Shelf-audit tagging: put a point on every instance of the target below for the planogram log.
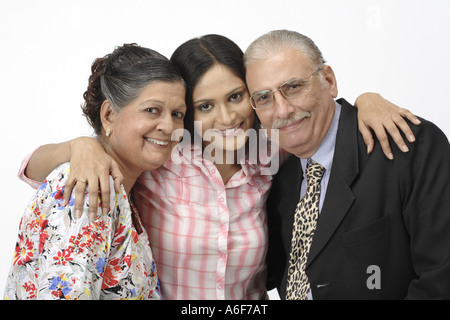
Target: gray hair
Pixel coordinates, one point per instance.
(120, 77)
(274, 41)
(129, 69)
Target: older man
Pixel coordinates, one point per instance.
(343, 224)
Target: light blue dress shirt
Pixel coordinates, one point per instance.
(324, 156)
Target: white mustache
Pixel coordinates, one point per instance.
(280, 123)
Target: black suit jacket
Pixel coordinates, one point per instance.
(384, 228)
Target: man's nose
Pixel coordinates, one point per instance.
(282, 106)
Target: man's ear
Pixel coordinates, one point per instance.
(107, 116)
(330, 79)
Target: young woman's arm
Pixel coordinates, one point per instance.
(380, 115)
(46, 158)
(90, 165)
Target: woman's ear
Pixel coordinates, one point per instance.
(107, 116)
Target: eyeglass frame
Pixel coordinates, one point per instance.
(280, 89)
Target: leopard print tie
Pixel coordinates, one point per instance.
(305, 220)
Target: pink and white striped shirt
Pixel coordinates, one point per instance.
(208, 239)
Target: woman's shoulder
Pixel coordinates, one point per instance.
(60, 173)
(52, 189)
(56, 180)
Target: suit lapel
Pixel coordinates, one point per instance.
(339, 196)
(289, 200)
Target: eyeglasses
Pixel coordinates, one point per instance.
(265, 99)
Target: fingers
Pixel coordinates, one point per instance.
(367, 136)
(116, 175)
(400, 123)
(105, 192)
(389, 120)
(395, 128)
(380, 132)
(410, 116)
(93, 199)
(397, 137)
(80, 188)
(399, 120)
(68, 190)
(90, 162)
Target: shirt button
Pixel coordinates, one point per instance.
(221, 199)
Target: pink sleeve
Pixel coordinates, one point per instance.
(21, 174)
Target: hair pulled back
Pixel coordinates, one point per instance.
(196, 56)
(277, 40)
(120, 76)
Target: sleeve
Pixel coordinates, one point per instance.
(34, 273)
(21, 174)
(427, 212)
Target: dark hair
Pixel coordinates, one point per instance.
(196, 56)
(120, 77)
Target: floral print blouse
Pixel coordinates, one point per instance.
(58, 256)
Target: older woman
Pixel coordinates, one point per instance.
(134, 101)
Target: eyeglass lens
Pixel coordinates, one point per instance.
(290, 89)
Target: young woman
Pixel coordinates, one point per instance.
(134, 101)
(206, 220)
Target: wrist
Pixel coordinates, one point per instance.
(367, 98)
(81, 141)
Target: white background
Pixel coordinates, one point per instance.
(398, 48)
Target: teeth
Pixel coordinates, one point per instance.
(230, 130)
(158, 142)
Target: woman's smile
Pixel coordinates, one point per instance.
(231, 132)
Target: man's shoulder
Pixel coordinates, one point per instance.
(427, 131)
(430, 142)
(427, 128)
